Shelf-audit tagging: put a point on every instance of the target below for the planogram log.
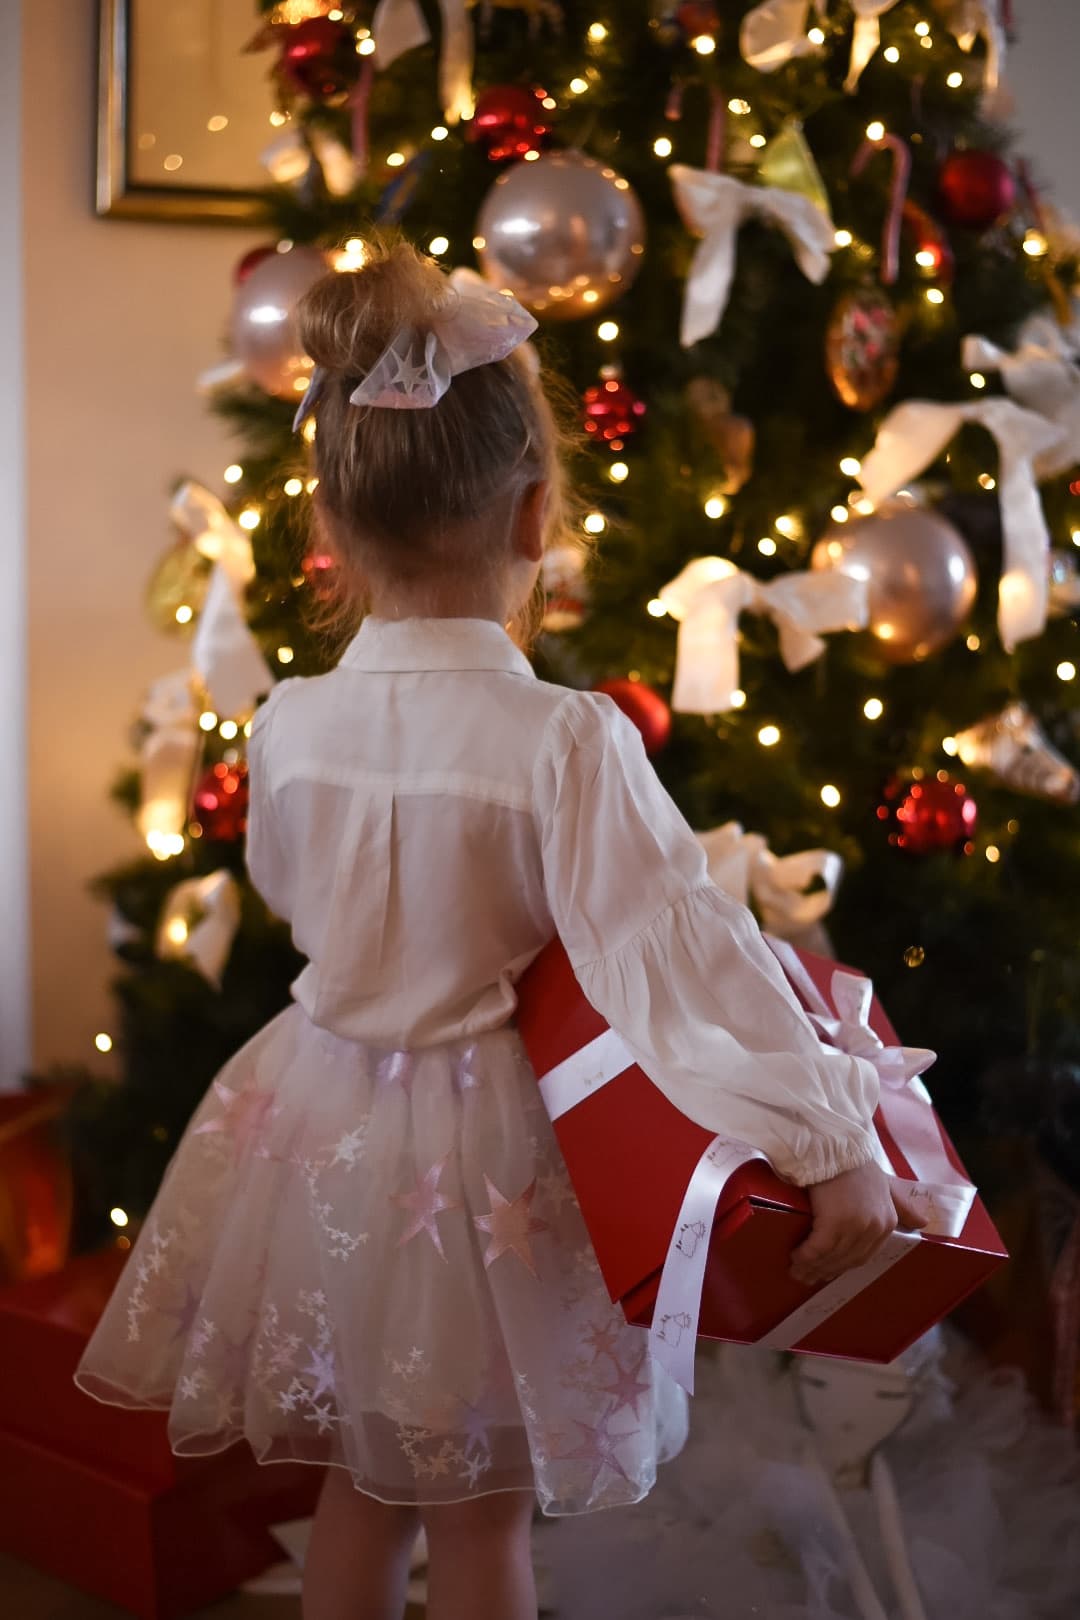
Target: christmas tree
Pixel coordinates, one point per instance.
(816, 319)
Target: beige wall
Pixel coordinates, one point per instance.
(1041, 72)
(119, 319)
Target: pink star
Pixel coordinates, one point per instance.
(186, 1312)
(425, 1202)
(244, 1116)
(511, 1225)
(602, 1340)
(598, 1446)
(396, 1068)
(627, 1387)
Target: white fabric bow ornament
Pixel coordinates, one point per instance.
(1041, 374)
(775, 33)
(915, 433)
(714, 206)
(399, 26)
(167, 759)
(707, 599)
(224, 652)
(966, 20)
(743, 865)
(198, 923)
(1013, 745)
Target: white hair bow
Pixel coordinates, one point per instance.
(476, 325)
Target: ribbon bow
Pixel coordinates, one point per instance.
(743, 865)
(223, 652)
(966, 20)
(1042, 375)
(399, 26)
(198, 923)
(707, 599)
(915, 433)
(715, 206)
(775, 33)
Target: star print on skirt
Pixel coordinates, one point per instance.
(375, 1260)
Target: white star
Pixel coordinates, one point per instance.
(322, 1369)
(350, 1149)
(323, 1416)
(191, 1384)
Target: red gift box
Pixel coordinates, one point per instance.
(631, 1155)
(94, 1495)
(35, 1183)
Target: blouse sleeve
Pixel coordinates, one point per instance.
(677, 967)
(267, 863)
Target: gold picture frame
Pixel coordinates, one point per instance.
(126, 187)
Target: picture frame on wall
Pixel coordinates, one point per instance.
(184, 111)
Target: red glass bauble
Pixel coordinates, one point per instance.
(696, 17)
(220, 805)
(929, 241)
(644, 707)
(612, 412)
(977, 188)
(319, 58)
(254, 256)
(509, 121)
(932, 816)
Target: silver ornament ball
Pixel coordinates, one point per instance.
(920, 574)
(263, 331)
(564, 233)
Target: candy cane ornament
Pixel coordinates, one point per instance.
(890, 236)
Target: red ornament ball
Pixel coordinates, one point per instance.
(319, 58)
(931, 816)
(697, 17)
(644, 707)
(977, 188)
(510, 120)
(612, 412)
(253, 257)
(220, 805)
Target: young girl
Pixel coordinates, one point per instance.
(366, 1251)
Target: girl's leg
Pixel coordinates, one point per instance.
(357, 1564)
(479, 1559)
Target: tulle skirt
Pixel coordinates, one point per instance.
(375, 1259)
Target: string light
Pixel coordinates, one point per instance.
(440, 132)
(926, 42)
(217, 123)
(986, 481)
(312, 484)
(934, 295)
(103, 1042)
(758, 141)
(875, 131)
(769, 736)
(438, 245)
(891, 54)
(738, 106)
(977, 380)
(1066, 671)
(277, 119)
(176, 931)
(704, 44)
(597, 32)
(851, 466)
(184, 613)
(656, 608)
(285, 655)
(233, 474)
(607, 331)
(595, 523)
(229, 729)
(738, 698)
(1076, 537)
(1035, 244)
(590, 296)
(208, 720)
(550, 103)
(843, 238)
(816, 36)
(715, 506)
(926, 259)
(532, 156)
(394, 160)
(914, 956)
(293, 486)
(353, 256)
(479, 243)
(830, 796)
(249, 518)
(863, 505)
(662, 146)
(973, 643)
(767, 546)
(954, 81)
(119, 1217)
(366, 47)
(993, 854)
(839, 514)
(579, 86)
(618, 472)
(285, 245)
(922, 29)
(788, 526)
(873, 708)
(950, 746)
(247, 728)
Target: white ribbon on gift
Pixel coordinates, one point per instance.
(775, 33)
(714, 206)
(709, 595)
(915, 433)
(1042, 375)
(209, 908)
(905, 1105)
(223, 651)
(399, 26)
(743, 865)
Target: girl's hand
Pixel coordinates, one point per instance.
(853, 1215)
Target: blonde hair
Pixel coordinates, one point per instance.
(400, 486)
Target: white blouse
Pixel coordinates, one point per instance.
(429, 814)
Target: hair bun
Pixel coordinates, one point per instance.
(348, 318)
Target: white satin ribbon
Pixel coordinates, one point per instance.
(966, 20)
(223, 650)
(866, 37)
(1042, 375)
(714, 206)
(584, 1072)
(775, 33)
(166, 767)
(915, 433)
(743, 865)
(399, 26)
(709, 595)
(198, 923)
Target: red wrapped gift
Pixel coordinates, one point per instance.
(694, 1233)
(93, 1493)
(35, 1183)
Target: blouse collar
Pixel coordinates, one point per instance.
(430, 644)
